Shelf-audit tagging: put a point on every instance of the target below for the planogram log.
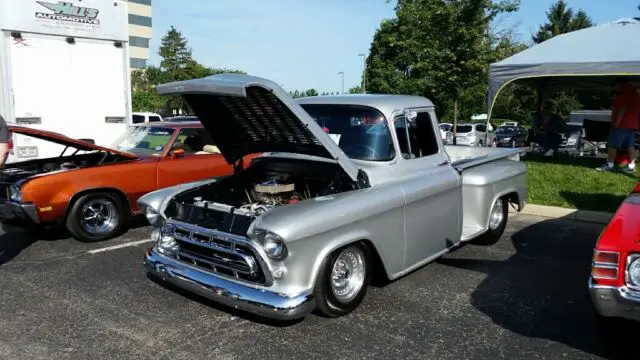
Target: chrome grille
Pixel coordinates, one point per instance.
(219, 254)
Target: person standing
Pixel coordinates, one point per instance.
(4, 141)
(625, 118)
(548, 127)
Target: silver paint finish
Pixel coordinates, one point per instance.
(414, 211)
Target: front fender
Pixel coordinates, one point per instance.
(158, 199)
(315, 228)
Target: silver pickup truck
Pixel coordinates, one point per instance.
(344, 187)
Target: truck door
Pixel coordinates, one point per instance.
(433, 189)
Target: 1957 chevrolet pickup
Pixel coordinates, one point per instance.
(346, 185)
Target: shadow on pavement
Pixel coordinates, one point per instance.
(541, 291)
(15, 239)
(605, 201)
(223, 308)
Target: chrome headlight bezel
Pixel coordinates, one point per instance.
(164, 240)
(14, 193)
(633, 271)
(154, 218)
(272, 244)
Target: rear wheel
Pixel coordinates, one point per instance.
(497, 223)
(96, 216)
(343, 280)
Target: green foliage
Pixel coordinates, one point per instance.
(305, 93)
(561, 20)
(355, 90)
(177, 64)
(439, 49)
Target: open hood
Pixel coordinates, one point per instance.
(247, 114)
(64, 140)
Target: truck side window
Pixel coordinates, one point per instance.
(425, 139)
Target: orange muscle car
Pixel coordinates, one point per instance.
(92, 190)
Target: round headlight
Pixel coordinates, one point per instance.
(634, 272)
(14, 193)
(273, 245)
(153, 217)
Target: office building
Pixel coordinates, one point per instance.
(139, 32)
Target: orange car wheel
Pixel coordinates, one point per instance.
(97, 216)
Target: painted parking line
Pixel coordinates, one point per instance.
(115, 247)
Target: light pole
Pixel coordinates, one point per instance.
(342, 73)
(364, 73)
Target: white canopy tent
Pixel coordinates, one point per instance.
(590, 58)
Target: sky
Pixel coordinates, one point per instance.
(304, 44)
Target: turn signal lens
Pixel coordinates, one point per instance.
(605, 265)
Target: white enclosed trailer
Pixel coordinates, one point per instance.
(64, 67)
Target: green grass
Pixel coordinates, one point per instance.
(574, 183)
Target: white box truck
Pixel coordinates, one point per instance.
(64, 67)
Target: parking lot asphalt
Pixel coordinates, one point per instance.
(523, 298)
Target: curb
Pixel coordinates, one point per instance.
(555, 212)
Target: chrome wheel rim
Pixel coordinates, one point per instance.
(497, 215)
(347, 274)
(98, 216)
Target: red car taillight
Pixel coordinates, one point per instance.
(605, 265)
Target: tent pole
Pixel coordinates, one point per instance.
(455, 121)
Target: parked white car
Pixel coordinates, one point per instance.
(474, 134)
(145, 117)
(446, 133)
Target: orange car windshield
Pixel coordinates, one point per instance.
(144, 140)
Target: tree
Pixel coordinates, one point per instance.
(425, 51)
(561, 20)
(177, 64)
(355, 90)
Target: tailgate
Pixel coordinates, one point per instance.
(464, 157)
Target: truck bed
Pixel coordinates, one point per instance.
(464, 157)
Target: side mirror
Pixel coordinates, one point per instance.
(176, 153)
(90, 141)
(411, 115)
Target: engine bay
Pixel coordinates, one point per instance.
(264, 195)
(21, 170)
(265, 185)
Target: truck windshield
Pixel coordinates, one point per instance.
(144, 140)
(361, 132)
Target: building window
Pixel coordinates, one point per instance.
(139, 20)
(143, 2)
(138, 41)
(138, 63)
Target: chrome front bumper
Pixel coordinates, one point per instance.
(256, 301)
(25, 213)
(611, 301)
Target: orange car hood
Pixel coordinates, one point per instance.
(65, 140)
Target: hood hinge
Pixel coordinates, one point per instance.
(238, 166)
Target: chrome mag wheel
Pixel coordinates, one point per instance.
(348, 274)
(497, 215)
(99, 216)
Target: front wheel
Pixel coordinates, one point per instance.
(343, 280)
(497, 223)
(96, 216)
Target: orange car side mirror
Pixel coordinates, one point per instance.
(174, 154)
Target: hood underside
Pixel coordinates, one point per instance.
(65, 140)
(246, 115)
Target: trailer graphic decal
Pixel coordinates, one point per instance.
(68, 12)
